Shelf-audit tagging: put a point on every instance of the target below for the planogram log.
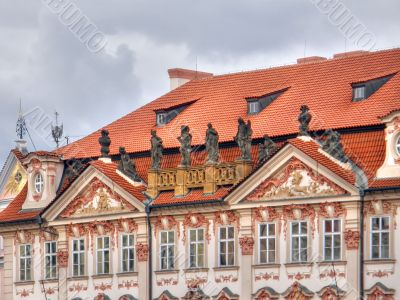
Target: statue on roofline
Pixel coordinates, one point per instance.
(243, 139)
(105, 143)
(304, 120)
(212, 145)
(127, 166)
(156, 150)
(186, 146)
(266, 148)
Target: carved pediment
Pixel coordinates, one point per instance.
(96, 199)
(295, 180)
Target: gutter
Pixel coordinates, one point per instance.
(150, 243)
(220, 200)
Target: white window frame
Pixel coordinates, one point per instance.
(161, 118)
(299, 236)
(103, 251)
(254, 107)
(50, 256)
(23, 259)
(78, 252)
(227, 240)
(267, 237)
(39, 182)
(196, 243)
(170, 265)
(379, 231)
(358, 95)
(127, 248)
(332, 235)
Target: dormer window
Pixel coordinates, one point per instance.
(253, 107)
(161, 118)
(39, 183)
(358, 92)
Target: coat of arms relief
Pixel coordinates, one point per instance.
(98, 199)
(296, 180)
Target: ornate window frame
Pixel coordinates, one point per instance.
(276, 237)
(110, 254)
(85, 258)
(159, 244)
(309, 241)
(235, 246)
(52, 254)
(188, 245)
(323, 235)
(122, 248)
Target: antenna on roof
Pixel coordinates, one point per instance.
(57, 131)
(21, 125)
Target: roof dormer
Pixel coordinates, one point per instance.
(364, 89)
(44, 175)
(391, 165)
(256, 104)
(166, 115)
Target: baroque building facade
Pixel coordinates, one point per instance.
(272, 184)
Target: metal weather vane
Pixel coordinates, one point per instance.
(57, 131)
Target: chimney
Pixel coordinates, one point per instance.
(310, 59)
(180, 76)
(350, 53)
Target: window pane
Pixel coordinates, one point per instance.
(295, 228)
(375, 251)
(303, 227)
(375, 223)
(263, 245)
(271, 244)
(263, 230)
(222, 233)
(230, 232)
(271, 255)
(337, 241)
(200, 233)
(192, 235)
(385, 238)
(328, 226)
(271, 229)
(164, 237)
(170, 237)
(337, 225)
(385, 223)
(385, 252)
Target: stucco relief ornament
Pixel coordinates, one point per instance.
(24, 292)
(127, 225)
(156, 150)
(264, 214)
(195, 220)
(166, 223)
(142, 252)
(379, 207)
(212, 149)
(76, 230)
(186, 146)
(243, 139)
(24, 237)
(298, 212)
(297, 292)
(352, 239)
(226, 218)
(247, 245)
(62, 258)
(102, 228)
(295, 180)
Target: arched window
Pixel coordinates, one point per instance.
(39, 183)
(398, 145)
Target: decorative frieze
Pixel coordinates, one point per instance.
(128, 284)
(77, 287)
(247, 245)
(352, 239)
(103, 286)
(24, 292)
(266, 276)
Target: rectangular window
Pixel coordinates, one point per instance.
(254, 107)
(332, 240)
(226, 246)
(167, 250)
(358, 92)
(50, 258)
(161, 118)
(267, 243)
(25, 262)
(103, 255)
(196, 248)
(128, 253)
(299, 240)
(380, 237)
(78, 257)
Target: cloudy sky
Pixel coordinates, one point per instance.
(43, 62)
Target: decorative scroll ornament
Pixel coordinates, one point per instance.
(24, 237)
(379, 207)
(99, 199)
(166, 223)
(128, 284)
(247, 245)
(380, 292)
(142, 252)
(103, 286)
(24, 292)
(195, 220)
(77, 287)
(127, 225)
(331, 293)
(297, 292)
(298, 212)
(296, 180)
(48, 234)
(266, 294)
(226, 218)
(62, 258)
(76, 230)
(101, 296)
(102, 228)
(266, 276)
(352, 239)
(264, 214)
(331, 210)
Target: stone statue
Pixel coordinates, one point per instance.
(156, 150)
(333, 145)
(105, 143)
(304, 120)
(127, 166)
(186, 146)
(243, 138)
(266, 148)
(212, 145)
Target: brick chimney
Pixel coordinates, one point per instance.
(180, 76)
(310, 59)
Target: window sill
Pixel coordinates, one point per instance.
(172, 271)
(30, 282)
(379, 261)
(228, 268)
(78, 278)
(298, 264)
(330, 262)
(195, 270)
(266, 266)
(127, 274)
(99, 276)
(52, 280)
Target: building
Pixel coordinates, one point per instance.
(291, 192)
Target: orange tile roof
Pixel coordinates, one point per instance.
(324, 86)
(195, 195)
